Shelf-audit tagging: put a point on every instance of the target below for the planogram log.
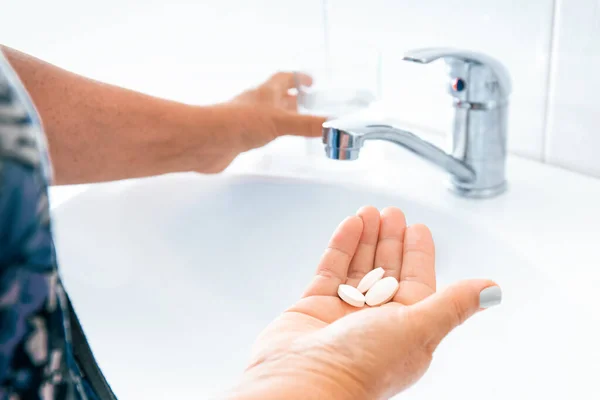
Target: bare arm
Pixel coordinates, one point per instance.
(98, 132)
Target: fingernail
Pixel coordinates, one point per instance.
(490, 296)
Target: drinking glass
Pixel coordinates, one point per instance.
(344, 83)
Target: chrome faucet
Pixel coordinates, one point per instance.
(480, 87)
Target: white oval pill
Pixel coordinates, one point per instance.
(351, 295)
(370, 279)
(382, 291)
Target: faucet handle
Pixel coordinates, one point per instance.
(476, 79)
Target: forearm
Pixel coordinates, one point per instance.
(99, 132)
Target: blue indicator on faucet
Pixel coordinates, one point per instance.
(458, 85)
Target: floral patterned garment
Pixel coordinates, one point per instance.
(40, 336)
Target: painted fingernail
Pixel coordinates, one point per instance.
(490, 296)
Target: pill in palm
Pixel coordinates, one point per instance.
(370, 279)
(382, 291)
(351, 295)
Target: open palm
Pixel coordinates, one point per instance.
(370, 352)
(360, 243)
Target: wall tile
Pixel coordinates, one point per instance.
(517, 33)
(573, 139)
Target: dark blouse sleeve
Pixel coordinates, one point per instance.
(34, 351)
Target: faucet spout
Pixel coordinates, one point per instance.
(343, 141)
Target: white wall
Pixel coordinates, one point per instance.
(193, 51)
(573, 135)
(206, 51)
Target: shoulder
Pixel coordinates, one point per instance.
(21, 135)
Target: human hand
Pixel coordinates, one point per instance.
(251, 120)
(324, 348)
(270, 110)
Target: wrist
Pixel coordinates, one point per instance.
(293, 377)
(206, 139)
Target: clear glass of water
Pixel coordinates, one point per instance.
(346, 82)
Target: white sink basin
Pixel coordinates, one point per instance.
(149, 265)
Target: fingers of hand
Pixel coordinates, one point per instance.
(290, 123)
(391, 241)
(365, 254)
(417, 275)
(290, 102)
(280, 87)
(440, 313)
(333, 267)
(282, 81)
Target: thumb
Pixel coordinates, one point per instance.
(445, 310)
(290, 123)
